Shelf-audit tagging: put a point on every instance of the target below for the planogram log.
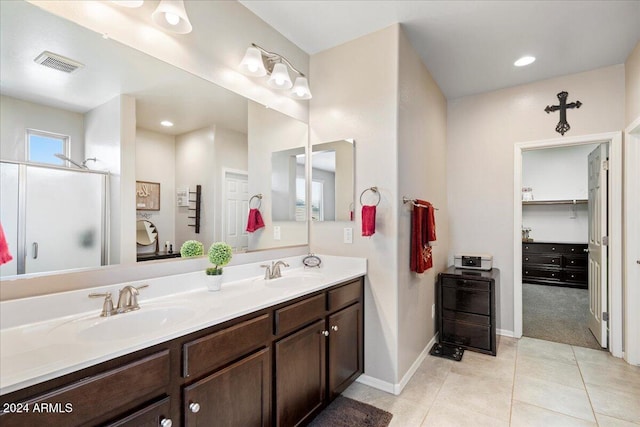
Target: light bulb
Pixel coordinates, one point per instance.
(172, 18)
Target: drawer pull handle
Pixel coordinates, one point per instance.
(325, 333)
(553, 249)
(553, 260)
(526, 259)
(553, 275)
(334, 328)
(526, 272)
(194, 407)
(572, 276)
(572, 249)
(526, 247)
(571, 262)
(166, 422)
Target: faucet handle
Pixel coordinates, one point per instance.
(107, 307)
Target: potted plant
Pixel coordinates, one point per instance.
(191, 248)
(219, 255)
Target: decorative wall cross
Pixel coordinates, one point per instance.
(562, 125)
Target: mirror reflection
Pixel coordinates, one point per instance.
(288, 185)
(332, 181)
(139, 119)
(146, 234)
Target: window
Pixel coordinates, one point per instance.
(42, 147)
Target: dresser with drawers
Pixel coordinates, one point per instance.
(467, 308)
(555, 264)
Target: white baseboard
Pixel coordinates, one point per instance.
(397, 388)
(505, 333)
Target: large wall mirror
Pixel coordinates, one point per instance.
(333, 181)
(122, 104)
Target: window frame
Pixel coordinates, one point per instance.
(66, 141)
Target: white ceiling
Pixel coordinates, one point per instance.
(470, 46)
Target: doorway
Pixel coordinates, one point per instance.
(558, 213)
(235, 210)
(613, 225)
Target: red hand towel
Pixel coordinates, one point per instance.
(254, 220)
(422, 232)
(5, 255)
(368, 220)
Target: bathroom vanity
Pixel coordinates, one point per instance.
(293, 346)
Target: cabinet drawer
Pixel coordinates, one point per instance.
(149, 416)
(535, 258)
(295, 315)
(578, 276)
(94, 397)
(467, 300)
(466, 317)
(212, 351)
(575, 260)
(576, 249)
(466, 334)
(466, 283)
(550, 274)
(345, 295)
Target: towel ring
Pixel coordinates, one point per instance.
(257, 196)
(372, 189)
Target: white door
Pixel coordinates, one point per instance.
(598, 286)
(64, 214)
(236, 209)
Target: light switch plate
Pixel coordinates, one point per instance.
(348, 235)
(276, 232)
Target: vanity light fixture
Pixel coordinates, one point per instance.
(166, 123)
(172, 16)
(525, 60)
(258, 62)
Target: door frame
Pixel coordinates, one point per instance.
(615, 228)
(632, 245)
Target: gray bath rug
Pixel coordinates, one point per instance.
(345, 412)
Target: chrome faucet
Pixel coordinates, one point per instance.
(128, 298)
(273, 271)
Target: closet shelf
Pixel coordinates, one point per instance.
(556, 202)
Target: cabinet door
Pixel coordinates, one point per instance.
(238, 395)
(345, 348)
(300, 374)
(154, 415)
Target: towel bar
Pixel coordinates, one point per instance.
(372, 189)
(406, 200)
(257, 196)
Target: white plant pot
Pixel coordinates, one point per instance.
(214, 283)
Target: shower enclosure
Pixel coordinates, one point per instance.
(54, 218)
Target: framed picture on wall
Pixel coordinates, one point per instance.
(147, 196)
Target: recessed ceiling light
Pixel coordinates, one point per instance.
(166, 123)
(525, 60)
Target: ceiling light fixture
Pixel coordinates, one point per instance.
(525, 60)
(172, 16)
(166, 123)
(258, 62)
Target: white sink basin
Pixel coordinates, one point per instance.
(146, 320)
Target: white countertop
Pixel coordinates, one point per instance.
(46, 337)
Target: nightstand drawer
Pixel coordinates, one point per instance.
(575, 260)
(467, 300)
(466, 283)
(466, 334)
(578, 276)
(547, 274)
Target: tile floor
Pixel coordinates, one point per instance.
(530, 383)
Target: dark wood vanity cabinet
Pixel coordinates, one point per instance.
(555, 264)
(277, 366)
(320, 359)
(467, 308)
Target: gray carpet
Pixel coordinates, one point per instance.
(557, 314)
(345, 412)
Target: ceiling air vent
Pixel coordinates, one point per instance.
(58, 62)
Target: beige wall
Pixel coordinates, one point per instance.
(155, 162)
(359, 101)
(632, 85)
(271, 131)
(16, 116)
(422, 155)
(482, 130)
